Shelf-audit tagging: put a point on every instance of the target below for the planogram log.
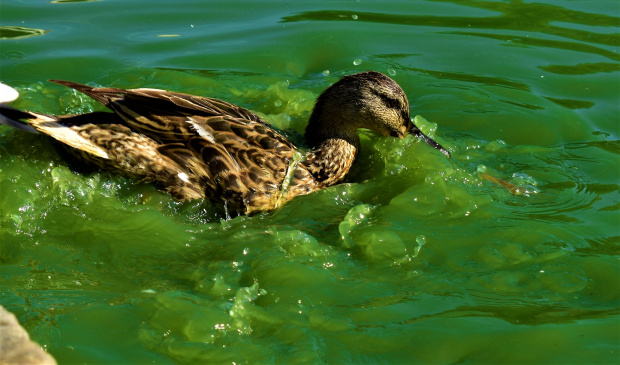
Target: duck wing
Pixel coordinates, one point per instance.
(157, 111)
(190, 146)
(240, 163)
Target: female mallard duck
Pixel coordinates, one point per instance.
(195, 147)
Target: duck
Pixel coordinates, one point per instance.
(195, 147)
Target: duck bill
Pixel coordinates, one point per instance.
(418, 133)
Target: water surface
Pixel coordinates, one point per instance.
(414, 259)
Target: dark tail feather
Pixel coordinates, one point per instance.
(104, 95)
(12, 117)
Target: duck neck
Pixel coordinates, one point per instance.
(331, 160)
(332, 135)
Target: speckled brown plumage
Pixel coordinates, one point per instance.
(195, 147)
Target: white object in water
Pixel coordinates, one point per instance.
(7, 93)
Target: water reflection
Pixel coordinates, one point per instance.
(71, 1)
(570, 103)
(15, 32)
(517, 16)
(582, 68)
(545, 43)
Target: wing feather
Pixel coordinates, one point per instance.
(212, 147)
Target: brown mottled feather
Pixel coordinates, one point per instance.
(238, 163)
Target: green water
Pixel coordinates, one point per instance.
(414, 259)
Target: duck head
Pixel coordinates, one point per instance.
(368, 100)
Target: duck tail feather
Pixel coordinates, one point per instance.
(50, 125)
(104, 95)
(16, 118)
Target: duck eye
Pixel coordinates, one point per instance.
(390, 102)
